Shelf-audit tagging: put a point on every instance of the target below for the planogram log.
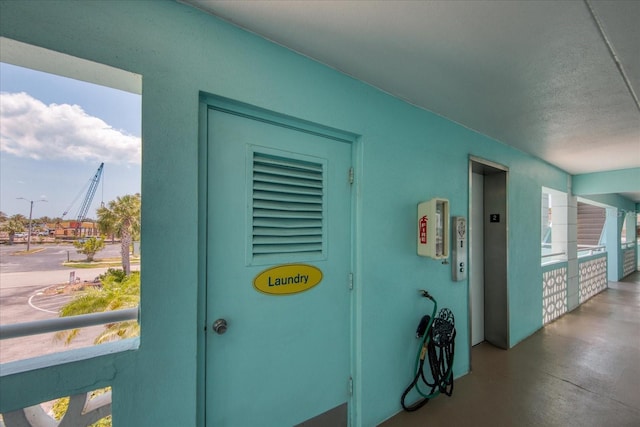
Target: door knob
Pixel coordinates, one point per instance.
(219, 326)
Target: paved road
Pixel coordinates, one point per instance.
(51, 277)
(16, 308)
(48, 257)
(23, 278)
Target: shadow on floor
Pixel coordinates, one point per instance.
(581, 370)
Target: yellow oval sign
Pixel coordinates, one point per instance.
(287, 279)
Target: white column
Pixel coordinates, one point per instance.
(573, 278)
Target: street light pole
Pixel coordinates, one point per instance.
(30, 215)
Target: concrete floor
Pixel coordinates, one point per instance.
(581, 370)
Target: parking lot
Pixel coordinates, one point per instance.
(31, 288)
(45, 257)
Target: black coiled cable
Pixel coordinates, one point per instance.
(438, 345)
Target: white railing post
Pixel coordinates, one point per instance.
(82, 411)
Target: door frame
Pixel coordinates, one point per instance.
(481, 163)
(207, 101)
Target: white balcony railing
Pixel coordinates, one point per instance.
(588, 250)
(83, 411)
(552, 257)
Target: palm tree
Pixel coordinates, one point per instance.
(43, 220)
(23, 219)
(13, 225)
(116, 292)
(122, 218)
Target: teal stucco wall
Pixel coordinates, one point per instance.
(618, 181)
(405, 155)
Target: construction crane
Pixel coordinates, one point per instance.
(88, 198)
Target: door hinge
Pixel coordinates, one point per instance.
(351, 175)
(350, 281)
(350, 386)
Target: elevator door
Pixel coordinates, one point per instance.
(277, 196)
(496, 301)
(476, 279)
(488, 287)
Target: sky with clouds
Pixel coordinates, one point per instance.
(55, 132)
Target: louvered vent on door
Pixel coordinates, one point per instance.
(287, 208)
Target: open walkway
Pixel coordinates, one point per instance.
(581, 370)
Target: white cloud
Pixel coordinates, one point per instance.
(29, 128)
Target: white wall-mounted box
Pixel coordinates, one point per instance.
(433, 228)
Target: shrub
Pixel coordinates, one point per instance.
(117, 292)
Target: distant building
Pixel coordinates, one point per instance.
(71, 229)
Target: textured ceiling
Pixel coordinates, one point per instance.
(558, 80)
